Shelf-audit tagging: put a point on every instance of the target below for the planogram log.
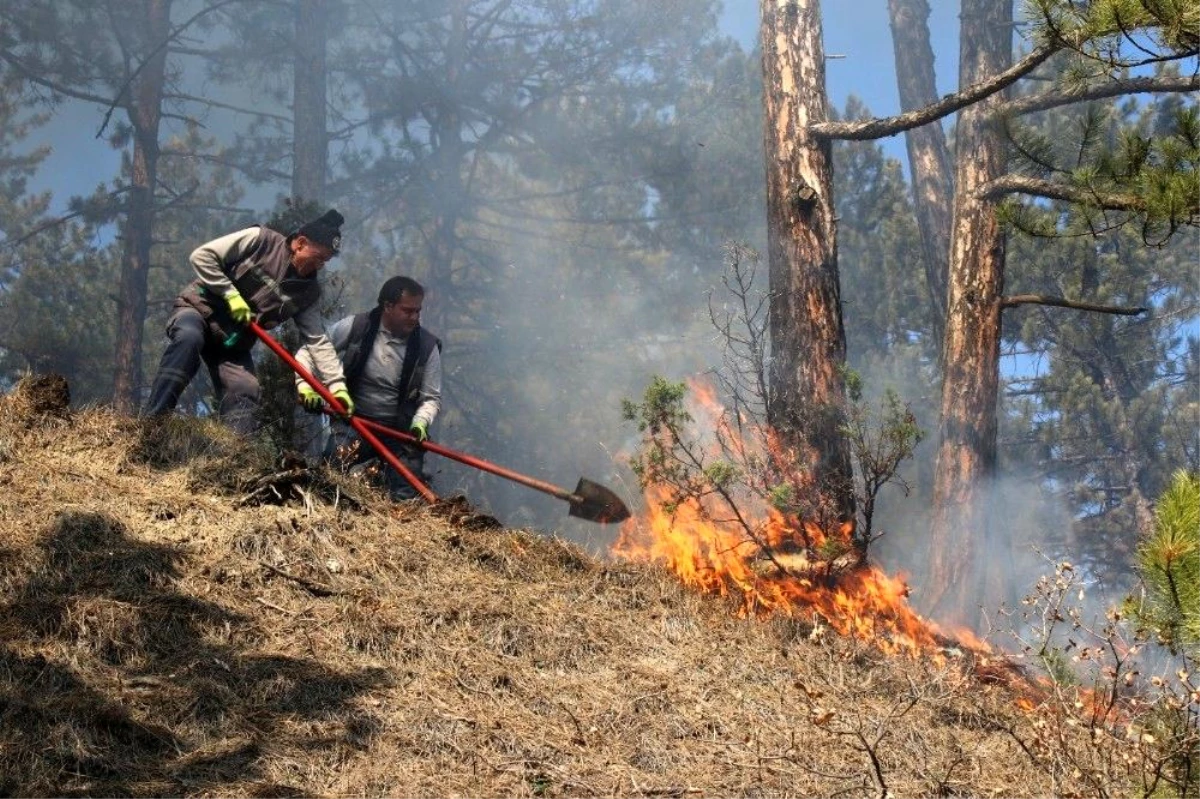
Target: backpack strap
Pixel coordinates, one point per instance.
(412, 353)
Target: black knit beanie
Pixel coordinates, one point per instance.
(326, 230)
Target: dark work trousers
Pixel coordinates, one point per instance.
(230, 368)
(347, 451)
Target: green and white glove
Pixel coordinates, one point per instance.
(310, 399)
(419, 429)
(238, 309)
(343, 396)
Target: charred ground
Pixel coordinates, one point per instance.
(181, 614)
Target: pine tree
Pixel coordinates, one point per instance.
(1169, 565)
(1107, 38)
(20, 213)
(48, 272)
(117, 57)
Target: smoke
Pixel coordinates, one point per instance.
(578, 332)
(577, 323)
(1030, 535)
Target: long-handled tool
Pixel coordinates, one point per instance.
(359, 425)
(590, 501)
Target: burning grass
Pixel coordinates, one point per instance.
(854, 598)
(162, 635)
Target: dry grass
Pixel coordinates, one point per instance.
(179, 615)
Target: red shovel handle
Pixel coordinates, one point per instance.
(589, 500)
(471, 460)
(334, 403)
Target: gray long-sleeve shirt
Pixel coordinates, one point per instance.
(377, 394)
(208, 261)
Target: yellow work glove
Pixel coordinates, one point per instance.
(343, 396)
(238, 309)
(419, 429)
(310, 399)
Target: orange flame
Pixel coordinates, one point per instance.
(861, 601)
(756, 563)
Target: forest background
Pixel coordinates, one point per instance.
(566, 178)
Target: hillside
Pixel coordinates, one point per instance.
(180, 615)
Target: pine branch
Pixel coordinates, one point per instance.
(889, 126)
(34, 76)
(1061, 302)
(862, 130)
(257, 112)
(1035, 187)
(161, 45)
(55, 222)
(1116, 88)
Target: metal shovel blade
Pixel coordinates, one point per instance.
(595, 503)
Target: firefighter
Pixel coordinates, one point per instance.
(393, 368)
(253, 273)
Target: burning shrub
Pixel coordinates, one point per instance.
(736, 512)
(716, 521)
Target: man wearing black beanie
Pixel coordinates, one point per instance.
(255, 273)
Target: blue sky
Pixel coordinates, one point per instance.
(858, 31)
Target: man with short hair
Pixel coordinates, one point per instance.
(255, 272)
(393, 368)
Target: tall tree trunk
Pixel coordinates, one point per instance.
(808, 342)
(145, 111)
(928, 156)
(310, 161)
(966, 458)
(447, 192)
(309, 115)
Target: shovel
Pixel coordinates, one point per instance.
(590, 501)
(359, 425)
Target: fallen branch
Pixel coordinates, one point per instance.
(673, 790)
(271, 484)
(313, 588)
(273, 606)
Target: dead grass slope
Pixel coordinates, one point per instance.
(166, 630)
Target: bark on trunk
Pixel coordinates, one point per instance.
(928, 155)
(310, 153)
(447, 190)
(808, 344)
(309, 116)
(145, 111)
(971, 350)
